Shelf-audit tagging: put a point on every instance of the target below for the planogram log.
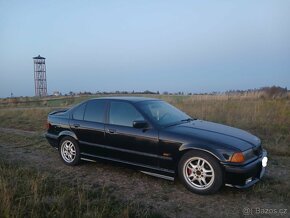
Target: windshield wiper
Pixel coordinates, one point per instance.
(187, 120)
(179, 122)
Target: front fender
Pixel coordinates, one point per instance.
(219, 154)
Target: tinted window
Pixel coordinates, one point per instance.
(123, 114)
(78, 113)
(95, 111)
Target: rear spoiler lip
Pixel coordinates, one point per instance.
(57, 111)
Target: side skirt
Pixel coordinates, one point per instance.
(158, 175)
(155, 171)
(85, 159)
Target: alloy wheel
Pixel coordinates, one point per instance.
(198, 173)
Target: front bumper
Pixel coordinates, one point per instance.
(244, 176)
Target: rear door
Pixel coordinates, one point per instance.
(88, 124)
(123, 142)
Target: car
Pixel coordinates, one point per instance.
(156, 138)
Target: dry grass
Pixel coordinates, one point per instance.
(28, 193)
(269, 119)
(273, 188)
(33, 119)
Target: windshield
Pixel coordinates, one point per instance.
(162, 113)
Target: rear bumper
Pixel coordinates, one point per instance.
(52, 139)
(246, 175)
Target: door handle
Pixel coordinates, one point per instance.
(76, 125)
(111, 131)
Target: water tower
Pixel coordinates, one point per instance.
(40, 76)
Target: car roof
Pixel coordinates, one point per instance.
(128, 98)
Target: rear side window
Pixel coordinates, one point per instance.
(78, 113)
(123, 114)
(95, 111)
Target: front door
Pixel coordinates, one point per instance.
(126, 143)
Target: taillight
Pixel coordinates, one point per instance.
(237, 157)
(48, 125)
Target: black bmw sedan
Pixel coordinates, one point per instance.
(158, 139)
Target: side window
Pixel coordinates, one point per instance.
(78, 113)
(95, 111)
(123, 114)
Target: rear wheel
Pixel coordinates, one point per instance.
(69, 151)
(200, 172)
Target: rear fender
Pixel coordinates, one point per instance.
(67, 133)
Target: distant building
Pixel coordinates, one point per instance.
(56, 93)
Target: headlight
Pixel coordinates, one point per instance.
(264, 161)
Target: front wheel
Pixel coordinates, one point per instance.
(200, 172)
(69, 151)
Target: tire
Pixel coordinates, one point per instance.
(69, 151)
(206, 178)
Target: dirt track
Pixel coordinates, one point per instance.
(17, 131)
(169, 198)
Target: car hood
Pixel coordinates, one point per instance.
(210, 130)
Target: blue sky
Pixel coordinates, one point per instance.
(190, 46)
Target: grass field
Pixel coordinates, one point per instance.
(26, 191)
(268, 119)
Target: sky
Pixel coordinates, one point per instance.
(160, 45)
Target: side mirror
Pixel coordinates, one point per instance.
(140, 124)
